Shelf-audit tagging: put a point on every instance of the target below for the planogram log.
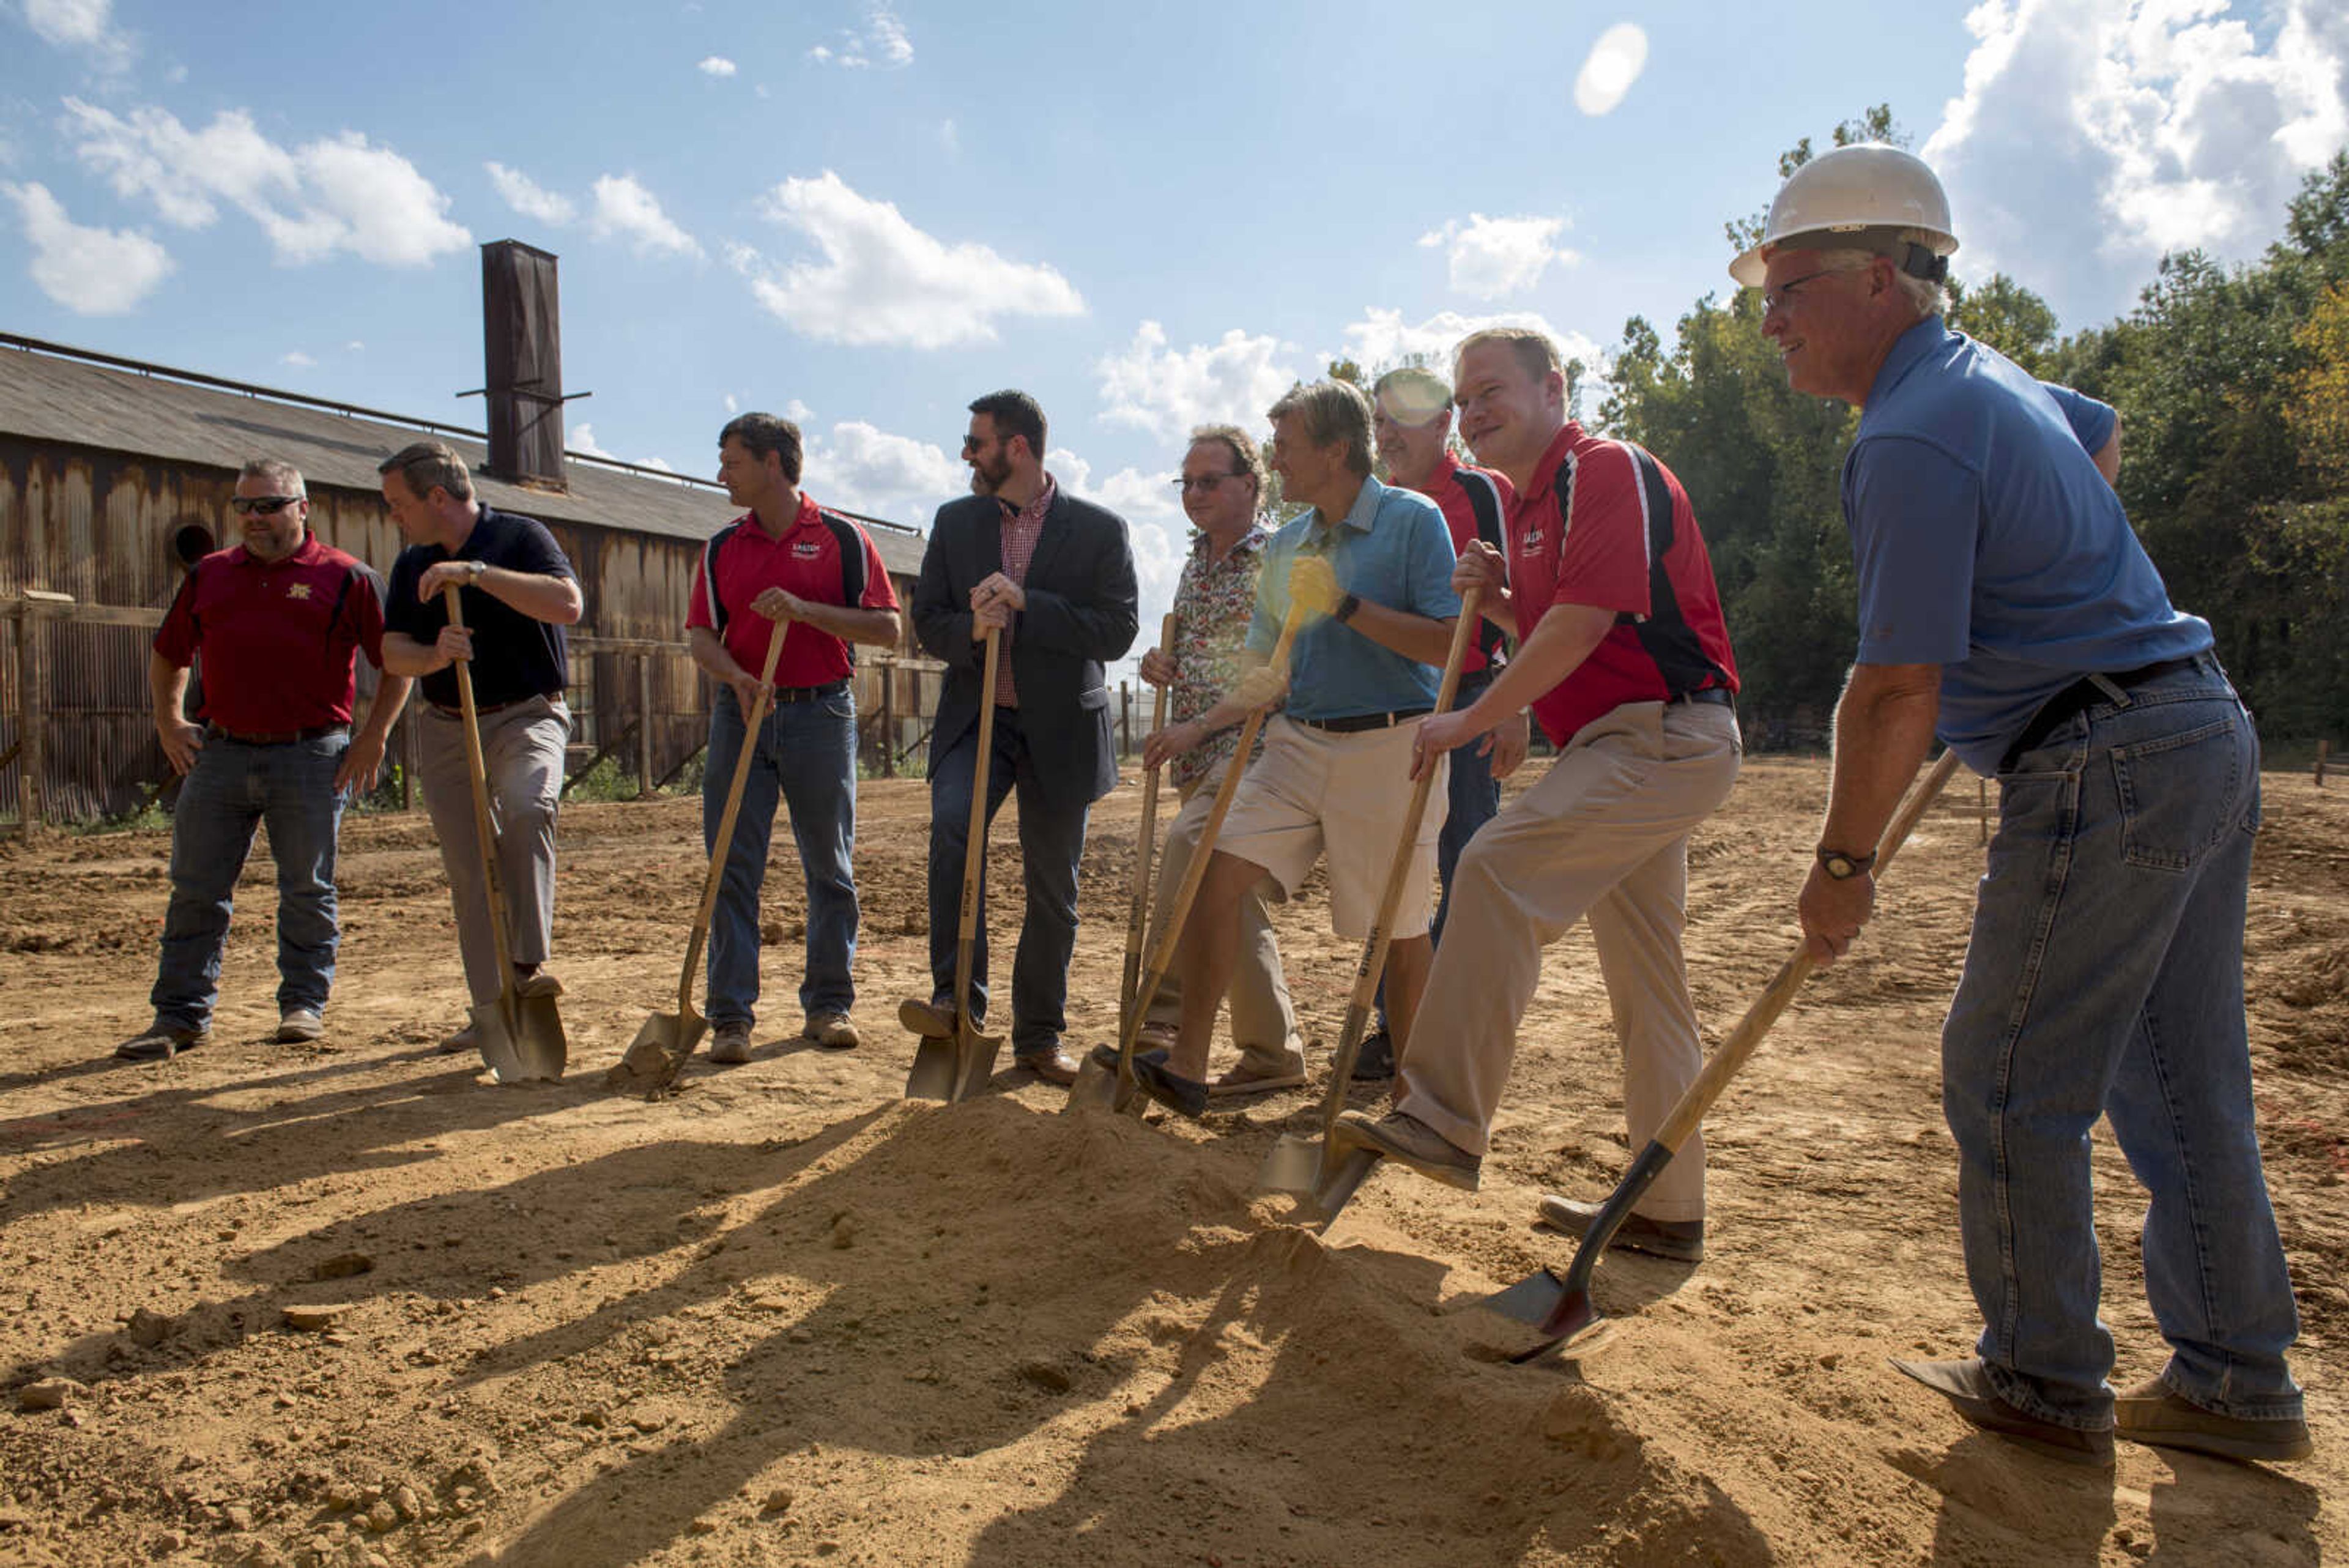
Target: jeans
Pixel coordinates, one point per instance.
(2105, 975)
(231, 788)
(1051, 842)
(805, 755)
(1475, 799)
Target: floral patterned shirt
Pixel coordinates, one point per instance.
(1213, 603)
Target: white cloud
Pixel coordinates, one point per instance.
(295, 358)
(94, 272)
(355, 346)
(1159, 532)
(866, 469)
(80, 24)
(583, 442)
(1495, 257)
(883, 281)
(799, 413)
(731, 406)
(624, 208)
(716, 66)
(659, 462)
(880, 43)
(1167, 391)
(1384, 338)
(338, 194)
(528, 198)
(2094, 135)
(1615, 62)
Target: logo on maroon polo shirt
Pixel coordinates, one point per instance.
(297, 590)
(806, 550)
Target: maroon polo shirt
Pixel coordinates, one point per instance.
(806, 561)
(1605, 526)
(1475, 504)
(277, 639)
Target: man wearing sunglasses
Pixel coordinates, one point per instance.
(1054, 575)
(2007, 608)
(278, 620)
(518, 592)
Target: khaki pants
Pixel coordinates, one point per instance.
(522, 748)
(1264, 1023)
(1603, 834)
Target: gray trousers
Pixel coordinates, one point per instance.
(521, 751)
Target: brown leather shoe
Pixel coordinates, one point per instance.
(1681, 1241)
(1966, 1386)
(1053, 1065)
(2157, 1415)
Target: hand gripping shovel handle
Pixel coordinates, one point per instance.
(1573, 1313)
(1162, 956)
(1145, 845)
(724, 844)
(492, 890)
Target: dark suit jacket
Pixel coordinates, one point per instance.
(1081, 613)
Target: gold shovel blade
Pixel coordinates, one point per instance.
(493, 1034)
(540, 1046)
(1294, 1166)
(657, 1054)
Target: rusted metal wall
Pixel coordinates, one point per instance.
(99, 525)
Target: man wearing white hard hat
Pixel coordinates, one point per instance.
(2007, 606)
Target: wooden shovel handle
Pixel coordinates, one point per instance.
(725, 841)
(973, 856)
(1145, 845)
(493, 891)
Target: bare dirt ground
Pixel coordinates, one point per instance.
(788, 1317)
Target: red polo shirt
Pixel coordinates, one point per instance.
(1475, 504)
(1605, 524)
(278, 638)
(806, 561)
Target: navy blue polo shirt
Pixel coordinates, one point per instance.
(1987, 543)
(514, 655)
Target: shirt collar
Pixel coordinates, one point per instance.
(807, 516)
(1908, 349)
(1553, 455)
(302, 554)
(1363, 513)
(1034, 510)
(1255, 539)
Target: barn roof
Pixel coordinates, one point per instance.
(51, 392)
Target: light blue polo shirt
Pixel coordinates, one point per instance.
(1986, 542)
(1392, 548)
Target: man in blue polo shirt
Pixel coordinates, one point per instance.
(2006, 606)
(1371, 565)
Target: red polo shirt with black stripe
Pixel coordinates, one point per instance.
(278, 638)
(807, 560)
(1475, 504)
(1604, 525)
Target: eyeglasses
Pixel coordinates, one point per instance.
(971, 443)
(267, 506)
(1776, 299)
(1204, 482)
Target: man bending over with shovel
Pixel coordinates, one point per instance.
(785, 559)
(518, 592)
(1372, 566)
(1625, 662)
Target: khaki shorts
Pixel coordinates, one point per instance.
(1311, 789)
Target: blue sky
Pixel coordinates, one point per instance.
(1147, 215)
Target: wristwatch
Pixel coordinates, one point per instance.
(478, 569)
(1842, 868)
(1347, 606)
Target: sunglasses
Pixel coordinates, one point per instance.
(267, 506)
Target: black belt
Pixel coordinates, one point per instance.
(810, 693)
(275, 737)
(458, 712)
(1358, 722)
(1719, 696)
(2079, 696)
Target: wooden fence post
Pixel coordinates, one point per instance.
(643, 726)
(2323, 749)
(28, 732)
(888, 719)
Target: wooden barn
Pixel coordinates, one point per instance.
(114, 475)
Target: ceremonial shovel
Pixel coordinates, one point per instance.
(1562, 1309)
(956, 1066)
(520, 1037)
(665, 1042)
(1097, 1084)
(1321, 1180)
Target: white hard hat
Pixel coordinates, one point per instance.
(1852, 189)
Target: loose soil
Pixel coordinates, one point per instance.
(787, 1316)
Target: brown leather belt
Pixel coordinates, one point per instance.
(274, 737)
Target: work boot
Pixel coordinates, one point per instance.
(1406, 1139)
(1050, 1062)
(1374, 1063)
(1966, 1386)
(1681, 1241)
(932, 1019)
(160, 1042)
(296, 1024)
(462, 1043)
(730, 1043)
(831, 1032)
(2157, 1415)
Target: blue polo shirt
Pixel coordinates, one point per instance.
(1392, 548)
(1986, 542)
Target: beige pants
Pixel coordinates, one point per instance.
(1605, 835)
(1264, 1023)
(522, 750)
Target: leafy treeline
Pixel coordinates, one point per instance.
(2233, 387)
